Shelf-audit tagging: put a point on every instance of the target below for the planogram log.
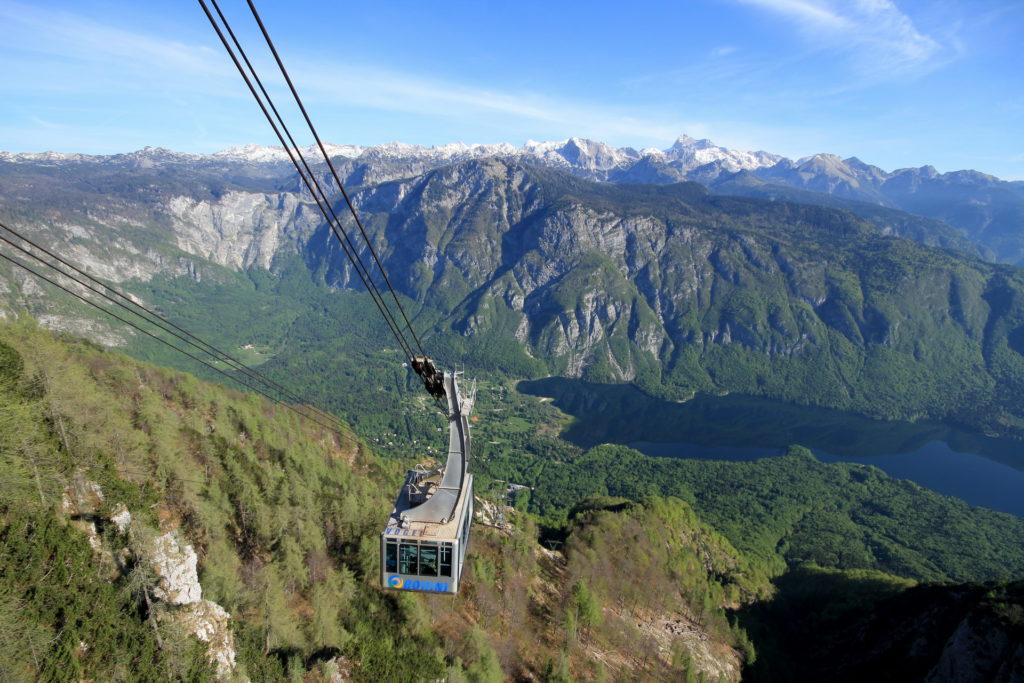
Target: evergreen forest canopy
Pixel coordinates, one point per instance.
(285, 519)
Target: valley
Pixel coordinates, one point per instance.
(983, 471)
(667, 316)
(527, 270)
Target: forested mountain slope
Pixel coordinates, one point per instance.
(679, 291)
(154, 527)
(529, 270)
(122, 479)
(793, 509)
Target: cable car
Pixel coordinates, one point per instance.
(423, 545)
(424, 542)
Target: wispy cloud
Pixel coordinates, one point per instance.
(416, 94)
(72, 35)
(43, 123)
(64, 54)
(51, 51)
(879, 41)
(812, 12)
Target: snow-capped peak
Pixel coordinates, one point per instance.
(274, 154)
(689, 153)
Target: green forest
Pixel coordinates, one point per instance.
(284, 517)
(615, 566)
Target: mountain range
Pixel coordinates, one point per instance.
(693, 269)
(984, 211)
(549, 259)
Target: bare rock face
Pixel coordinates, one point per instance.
(493, 513)
(339, 669)
(121, 518)
(981, 649)
(209, 622)
(175, 563)
(82, 498)
(242, 229)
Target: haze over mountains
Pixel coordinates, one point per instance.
(528, 263)
(983, 209)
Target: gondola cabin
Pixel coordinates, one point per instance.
(423, 545)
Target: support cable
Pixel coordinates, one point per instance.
(161, 322)
(320, 196)
(334, 172)
(312, 418)
(311, 182)
(159, 339)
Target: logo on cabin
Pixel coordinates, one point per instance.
(417, 585)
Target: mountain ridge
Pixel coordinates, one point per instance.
(986, 211)
(692, 153)
(669, 286)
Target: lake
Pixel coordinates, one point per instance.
(981, 470)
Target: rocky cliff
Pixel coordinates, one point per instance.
(666, 286)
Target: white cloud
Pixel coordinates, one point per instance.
(43, 123)
(812, 12)
(77, 36)
(414, 94)
(64, 53)
(880, 41)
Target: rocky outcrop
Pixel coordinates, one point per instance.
(242, 229)
(209, 622)
(175, 564)
(981, 650)
(121, 518)
(82, 498)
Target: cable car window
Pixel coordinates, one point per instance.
(428, 559)
(446, 559)
(465, 527)
(407, 559)
(391, 557)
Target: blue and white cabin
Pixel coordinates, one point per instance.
(423, 545)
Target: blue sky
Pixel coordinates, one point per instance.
(896, 83)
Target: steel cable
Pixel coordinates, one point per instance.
(161, 322)
(312, 184)
(334, 172)
(234, 378)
